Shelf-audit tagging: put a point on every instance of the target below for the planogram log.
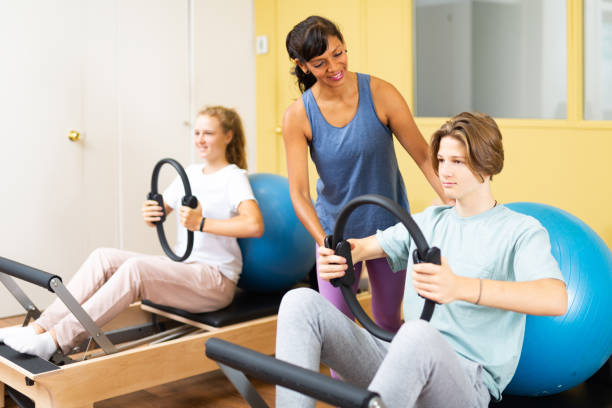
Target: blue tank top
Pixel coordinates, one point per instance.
(353, 160)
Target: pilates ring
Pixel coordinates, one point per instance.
(188, 200)
(423, 253)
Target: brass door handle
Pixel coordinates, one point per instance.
(74, 136)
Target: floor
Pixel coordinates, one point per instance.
(202, 391)
(213, 390)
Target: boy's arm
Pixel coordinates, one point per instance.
(546, 297)
(332, 266)
(538, 297)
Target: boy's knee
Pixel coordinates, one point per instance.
(417, 332)
(297, 302)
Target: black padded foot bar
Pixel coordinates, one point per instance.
(27, 273)
(55, 285)
(287, 375)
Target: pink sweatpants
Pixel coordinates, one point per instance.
(111, 279)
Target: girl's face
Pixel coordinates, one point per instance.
(330, 67)
(456, 176)
(209, 138)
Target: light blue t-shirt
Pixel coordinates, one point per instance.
(499, 244)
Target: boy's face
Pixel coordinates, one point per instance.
(456, 176)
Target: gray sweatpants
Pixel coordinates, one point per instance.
(417, 369)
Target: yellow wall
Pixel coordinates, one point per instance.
(564, 163)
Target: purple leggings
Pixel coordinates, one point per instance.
(387, 290)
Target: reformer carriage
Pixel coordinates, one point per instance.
(146, 345)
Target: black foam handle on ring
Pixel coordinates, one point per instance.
(160, 201)
(27, 273)
(268, 369)
(423, 251)
(432, 255)
(188, 200)
(344, 250)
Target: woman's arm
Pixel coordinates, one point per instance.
(537, 297)
(247, 224)
(394, 112)
(296, 147)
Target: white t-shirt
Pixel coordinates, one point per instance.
(219, 194)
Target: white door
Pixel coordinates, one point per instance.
(124, 75)
(117, 72)
(44, 85)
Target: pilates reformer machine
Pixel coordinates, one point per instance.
(235, 360)
(144, 346)
(147, 345)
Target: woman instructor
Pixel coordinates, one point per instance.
(346, 120)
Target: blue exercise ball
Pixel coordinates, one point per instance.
(562, 351)
(285, 253)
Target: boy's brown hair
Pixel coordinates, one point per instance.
(481, 137)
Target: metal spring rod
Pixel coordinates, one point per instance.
(148, 339)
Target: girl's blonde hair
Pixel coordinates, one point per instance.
(235, 152)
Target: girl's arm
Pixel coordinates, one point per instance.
(247, 224)
(394, 112)
(151, 212)
(537, 297)
(296, 147)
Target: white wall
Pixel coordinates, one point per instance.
(154, 105)
(138, 72)
(224, 61)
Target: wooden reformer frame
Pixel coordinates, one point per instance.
(116, 371)
(80, 384)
